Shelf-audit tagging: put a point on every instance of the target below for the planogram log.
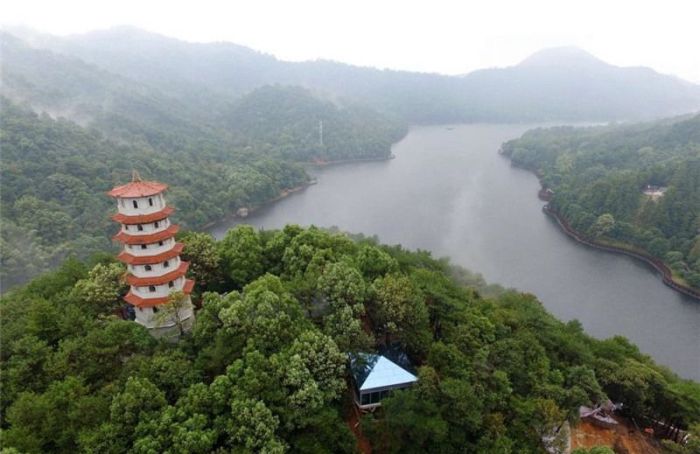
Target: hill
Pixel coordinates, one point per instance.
(636, 185)
(571, 84)
(96, 126)
(295, 125)
(55, 175)
(553, 84)
(264, 369)
(188, 117)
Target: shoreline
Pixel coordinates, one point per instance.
(252, 209)
(321, 163)
(659, 266)
(289, 191)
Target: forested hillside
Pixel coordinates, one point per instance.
(264, 369)
(219, 153)
(599, 175)
(55, 175)
(291, 124)
(554, 84)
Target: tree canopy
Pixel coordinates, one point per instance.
(265, 367)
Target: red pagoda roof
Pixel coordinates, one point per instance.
(138, 301)
(131, 259)
(143, 218)
(126, 238)
(138, 189)
(158, 280)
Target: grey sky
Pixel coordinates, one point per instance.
(444, 36)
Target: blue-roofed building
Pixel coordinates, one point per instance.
(375, 376)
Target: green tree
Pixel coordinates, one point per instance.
(103, 288)
(398, 308)
(201, 252)
(253, 426)
(241, 255)
(178, 310)
(603, 225)
(323, 359)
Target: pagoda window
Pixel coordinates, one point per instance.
(136, 204)
(156, 224)
(148, 267)
(166, 264)
(155, 309)
(160, 243)
(150, 201)
(139, 227)
(143, 246)
(151, 288)
(171, 284)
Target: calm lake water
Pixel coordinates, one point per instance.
(450, 192)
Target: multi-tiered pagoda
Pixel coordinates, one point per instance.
(152, 257)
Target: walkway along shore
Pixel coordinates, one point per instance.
(657, 264)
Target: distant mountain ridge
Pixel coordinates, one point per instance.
(552, 84)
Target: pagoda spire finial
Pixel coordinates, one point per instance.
(135, 176)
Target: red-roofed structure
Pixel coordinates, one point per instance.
(152, 257)
(158, 280)
(137, 301)
(131, 259)
(138, 189)
(143, 218)
(147, 238)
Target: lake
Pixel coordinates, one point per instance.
(450, 192)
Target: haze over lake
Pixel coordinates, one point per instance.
(448, 191)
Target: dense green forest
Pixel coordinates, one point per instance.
(228, 154)
(55, 175)
(598, 175)
(264, 369)
(287, 121)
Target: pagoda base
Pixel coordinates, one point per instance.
(170, 331)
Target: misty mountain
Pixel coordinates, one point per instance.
(134, 109)
(569, 83)
(298, 126)
(66, 86)
(553, 84)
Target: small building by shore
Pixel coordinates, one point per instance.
(654, 192)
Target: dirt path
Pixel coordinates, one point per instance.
(623, 439)
(354, 423)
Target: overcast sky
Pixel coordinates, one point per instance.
(443, 36)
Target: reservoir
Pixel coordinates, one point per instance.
(450, 192)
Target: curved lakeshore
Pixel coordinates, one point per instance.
(545, 194)
(252, 209)
(655, 263)
(448, 192)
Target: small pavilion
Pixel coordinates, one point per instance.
(375, 376)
